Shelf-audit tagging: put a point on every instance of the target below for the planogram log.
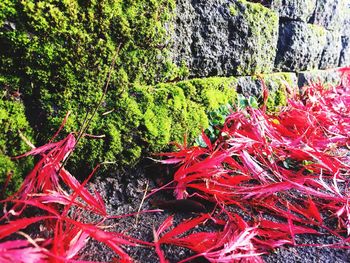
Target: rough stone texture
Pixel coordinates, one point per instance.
(331, 76)
(185, 17)
(252, 86)
(301, 10)
(331, 52)
(345, 52)
(300, 46)
(329, 13)
(238, 37)
(249, 86)
(218, 38)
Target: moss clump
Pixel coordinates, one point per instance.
(13, 121)
(262, 36)
(147, 118)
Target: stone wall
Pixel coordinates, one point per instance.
(55, 56)
(238, 37)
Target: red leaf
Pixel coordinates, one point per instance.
(15, 225)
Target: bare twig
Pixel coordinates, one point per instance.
(87, 121)
(29, 143)
(141, 204)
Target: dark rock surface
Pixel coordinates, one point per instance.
(301, 10)
(345, 29)
(252, 86)
(331, 51)
(249, 85)
(185, 16)
(345, 52)
(238, 37)
(300, 46)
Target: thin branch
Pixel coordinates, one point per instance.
(141, 204)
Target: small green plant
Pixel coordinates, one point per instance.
(243, 102)
(217, 117)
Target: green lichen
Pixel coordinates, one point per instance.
(263, 24)
(233, 10)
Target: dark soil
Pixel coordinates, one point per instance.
(123, 194)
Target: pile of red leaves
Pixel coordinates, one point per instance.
(287, 173)
(63, 231)
(270, 177)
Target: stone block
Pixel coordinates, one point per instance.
(345, 30)
(182, 37)
(331, 52)
(300, 46)
(221, 38)
(301, 10)
(329, 14)
(249, 86)
(285, 83)
(331, 76)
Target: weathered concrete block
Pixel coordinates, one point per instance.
(329, 14)
(331, 76)
(185, 17)
(300, 46)
(249, 86)
(220, 38)
(345, 52)
(331, 52)
(301, 10)
(283, 84)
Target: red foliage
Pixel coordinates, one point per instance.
(293, 166)
(270, 177)
(42, 189)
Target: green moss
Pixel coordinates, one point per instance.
(147, 118)
(12, 122)
(58, 53)
(233, 10)
(173, 111)
(263, 24)
(276, 100)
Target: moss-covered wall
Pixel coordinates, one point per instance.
(262, 36)
(55, 56)
(146, 118)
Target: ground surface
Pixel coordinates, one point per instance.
(123, 195)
